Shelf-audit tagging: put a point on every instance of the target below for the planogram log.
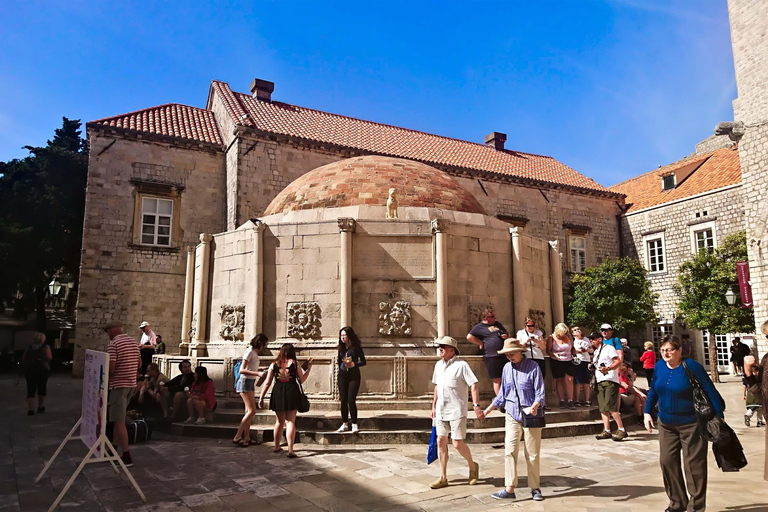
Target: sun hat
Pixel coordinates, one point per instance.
(143, 325)
(512, 345)
(606, 326)
(448, 342)
(113, 324)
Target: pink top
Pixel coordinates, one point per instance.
(563, 350)
(206, 391)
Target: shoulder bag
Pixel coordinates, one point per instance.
(702, 405)
(529, 420)
(303, 400)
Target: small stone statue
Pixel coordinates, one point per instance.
(392, 204)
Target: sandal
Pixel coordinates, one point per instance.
(292, 456)
(236, 441)
(277, 450)
(254, 441)
(244, 443)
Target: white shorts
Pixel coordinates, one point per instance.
(457, 428)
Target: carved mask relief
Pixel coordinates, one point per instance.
(395, 320)
(303, 320)
(232, 322)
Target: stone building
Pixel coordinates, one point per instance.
(749, 39)
(161, 176)
(671, 213)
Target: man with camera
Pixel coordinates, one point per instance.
(605, 364)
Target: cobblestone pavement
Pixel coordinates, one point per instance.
(181, 474)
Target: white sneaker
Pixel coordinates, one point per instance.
(355, 430)
(343, 428)
(200, 421)
(189, 420)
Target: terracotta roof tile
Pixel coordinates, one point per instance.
(713, 170)
(291, 120)
(171, 119)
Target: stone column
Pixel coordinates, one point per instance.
(201, 298)
(189, 290)
(346, 227)
(439, 228)
(556, 283)
(256, 313)
(518, 280)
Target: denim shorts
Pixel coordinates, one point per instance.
(244, 385)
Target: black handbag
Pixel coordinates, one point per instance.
(303, 400)
(529, 420)
(702, 405)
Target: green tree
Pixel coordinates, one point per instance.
(42, 204)
(617, 291)
(702, 283)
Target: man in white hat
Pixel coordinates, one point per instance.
(522, 393)
(453, 379)
(608, 339)
(147, 345)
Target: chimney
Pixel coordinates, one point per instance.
(262, 89)
(496, 140)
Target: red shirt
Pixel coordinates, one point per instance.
(649, 359)
(124, 361)
(206, 391)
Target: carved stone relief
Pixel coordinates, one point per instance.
(303, 320)
(538, 316)
(392, 204)
(232, 322)
(395, 320)
(193, 327)
(475, 313)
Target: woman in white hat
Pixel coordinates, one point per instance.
(522, 392)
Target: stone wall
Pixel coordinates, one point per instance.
(749, 37)
(120, 279)
(713, 143)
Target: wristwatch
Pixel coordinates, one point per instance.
(475, 405)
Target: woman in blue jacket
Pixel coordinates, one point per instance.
(349, 360)
(671, 389)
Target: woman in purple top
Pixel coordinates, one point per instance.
(522, 392)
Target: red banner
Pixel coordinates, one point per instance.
(742, 270)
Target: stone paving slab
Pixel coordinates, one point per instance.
(579, 474)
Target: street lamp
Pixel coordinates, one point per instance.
(730, 297)
(54, 287)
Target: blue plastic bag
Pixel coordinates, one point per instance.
(237, 371)
(432, 451)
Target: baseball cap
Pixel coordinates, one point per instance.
(606, 326)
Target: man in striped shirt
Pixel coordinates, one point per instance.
(124, 366)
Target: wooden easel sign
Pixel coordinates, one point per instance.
(93, 424)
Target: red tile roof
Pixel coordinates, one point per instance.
(713, 170)
(291, 120)
(172, 120)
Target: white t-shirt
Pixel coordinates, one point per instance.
(250, 362)
(604, 356)
(582, 344)
(453, 379)
(525, 338)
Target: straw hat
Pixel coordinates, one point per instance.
(512, 345)
(143, 325)
(448, 342)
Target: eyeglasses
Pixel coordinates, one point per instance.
(530, 325)
(577, 329)
(668, 350)
(604, 330)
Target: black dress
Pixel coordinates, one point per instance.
(286, 395)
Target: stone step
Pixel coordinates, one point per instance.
(401, 436)
(400, 420)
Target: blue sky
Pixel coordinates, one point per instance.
(611, 88)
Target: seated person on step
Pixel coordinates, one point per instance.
(154, 388)
(178, 389)
(202, 397)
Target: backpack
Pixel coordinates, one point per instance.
(236, 369)
(35, 358)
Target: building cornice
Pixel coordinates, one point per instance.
(141, 136)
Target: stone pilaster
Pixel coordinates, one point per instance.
(255, 316)
(556, 282)
(201, 298)
(189, 287)
(518, 314)
(347, 228)
(439, 228)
